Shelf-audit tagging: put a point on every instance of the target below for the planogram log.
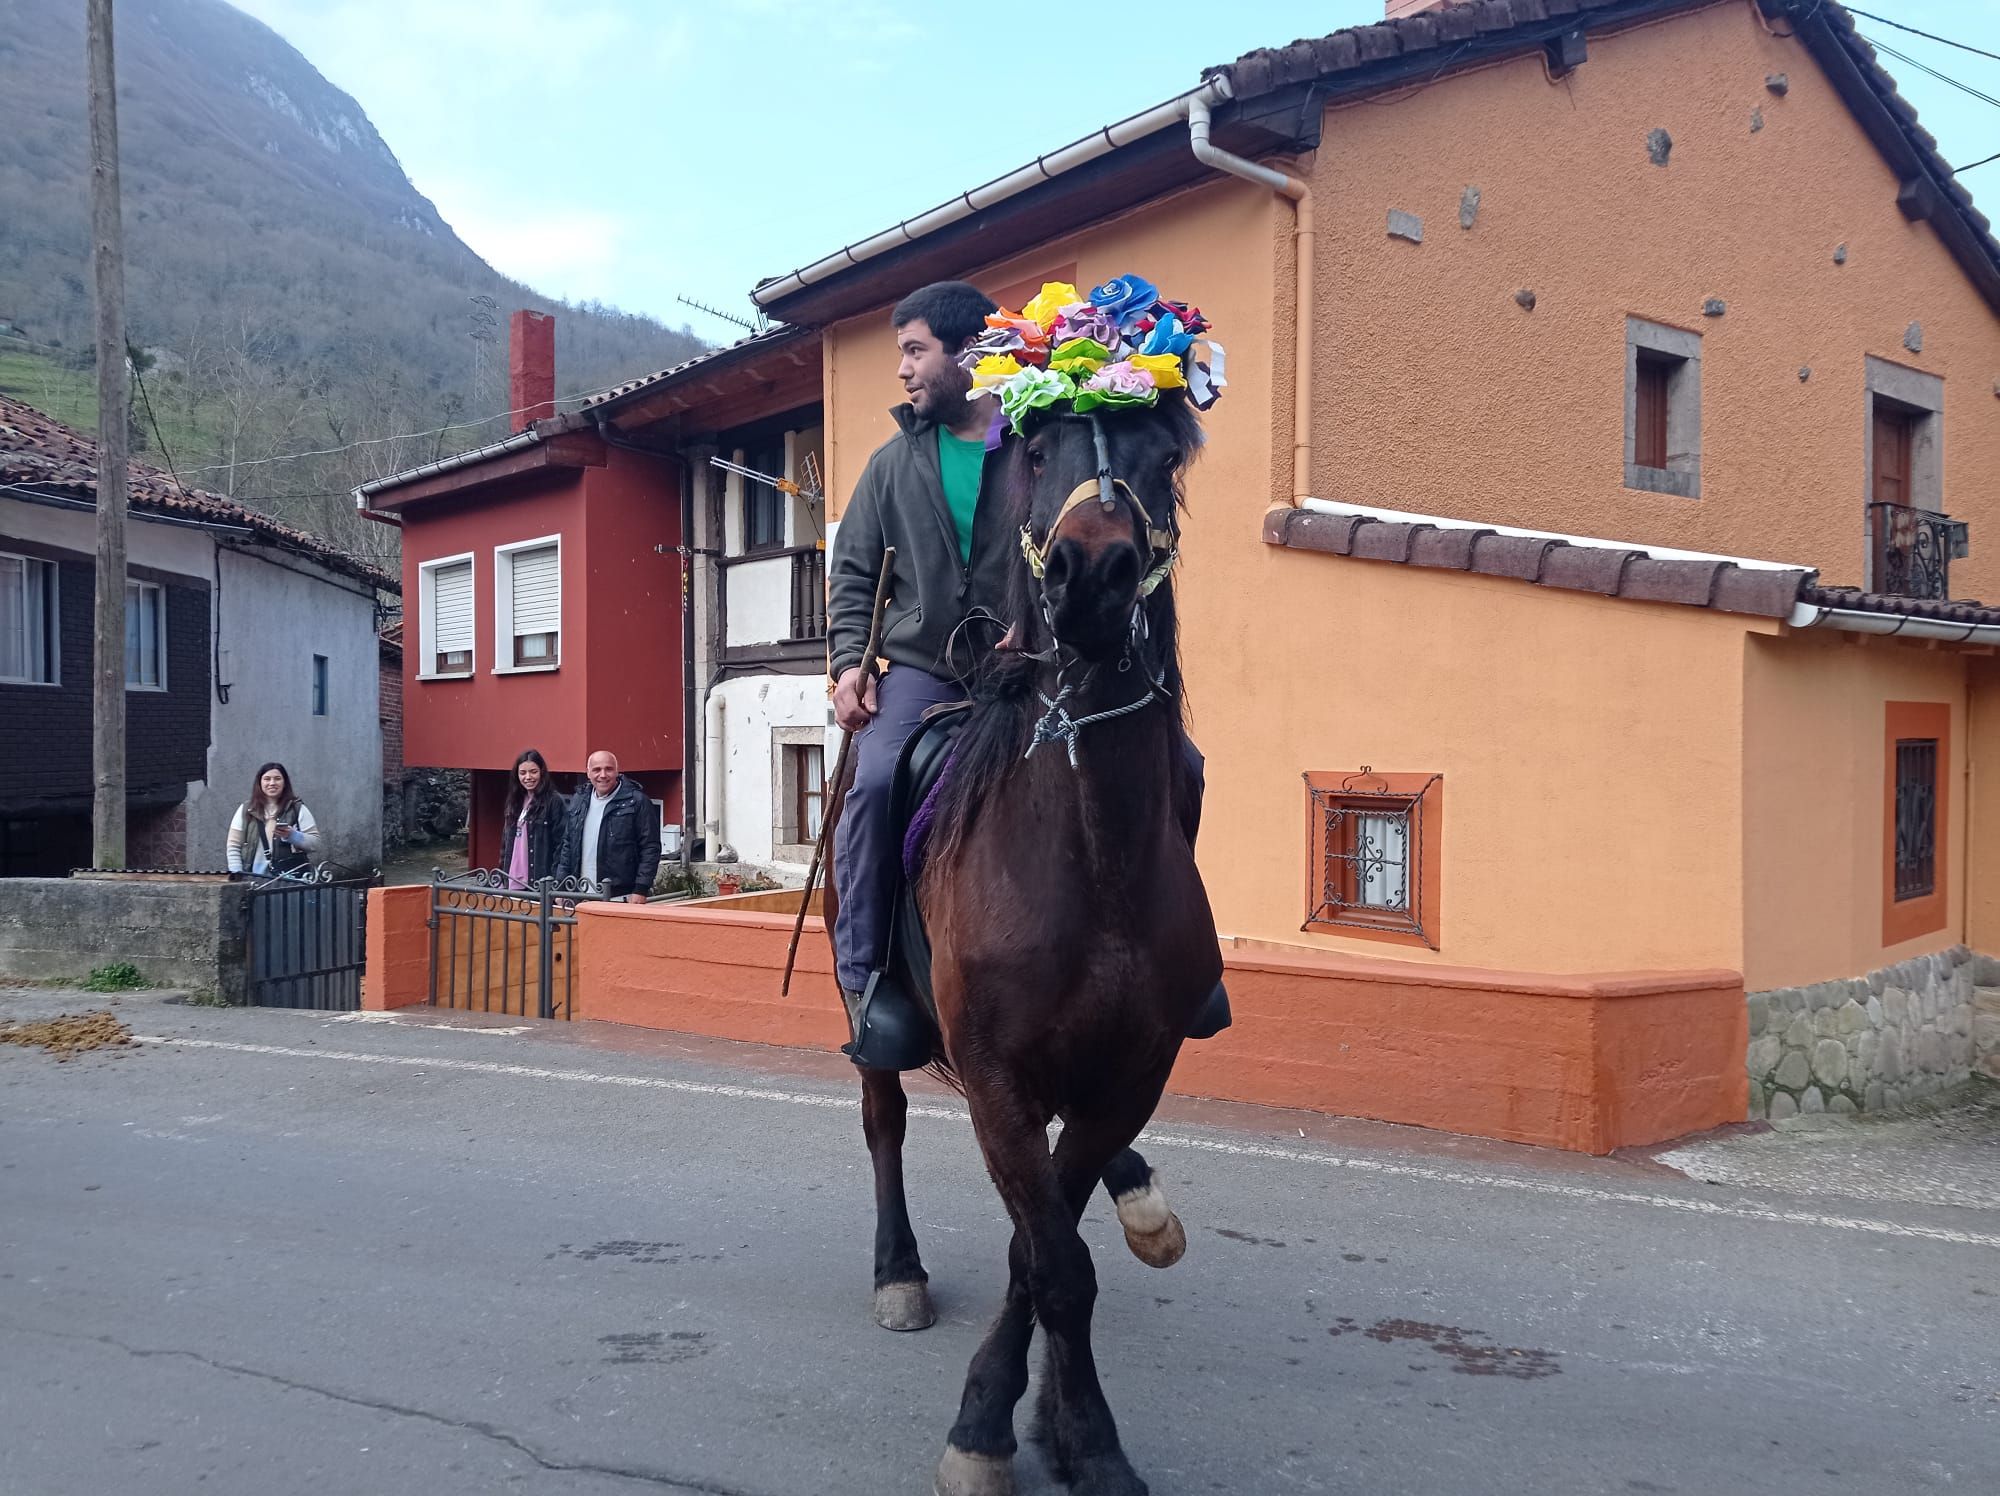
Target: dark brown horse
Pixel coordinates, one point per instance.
(1072, 939)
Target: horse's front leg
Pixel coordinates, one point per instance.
(902, 1287)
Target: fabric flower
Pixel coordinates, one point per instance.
(1032, 390)
(1190, 318)
(994, 369)
(1164, 367)
(1086, 321)
(1114, 387)
(1125, 298)
(1167, 336)
(1079, 357)
(1033, 338)
(1049, 302)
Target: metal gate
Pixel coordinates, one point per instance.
(500, 949)
(308, 936)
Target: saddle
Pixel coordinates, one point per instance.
(898, 1024)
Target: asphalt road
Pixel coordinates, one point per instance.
(287, 1254)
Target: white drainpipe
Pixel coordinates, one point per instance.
(1198, 107)
(718, 850)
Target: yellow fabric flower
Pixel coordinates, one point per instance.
(1164, 367)
(995, 369)
(1049, 302)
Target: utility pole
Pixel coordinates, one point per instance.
(107, 263)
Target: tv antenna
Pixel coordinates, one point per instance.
(701, 306)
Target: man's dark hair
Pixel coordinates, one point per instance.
(955, 311)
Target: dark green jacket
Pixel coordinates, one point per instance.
(900, 501)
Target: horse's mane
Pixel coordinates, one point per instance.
(999, 725)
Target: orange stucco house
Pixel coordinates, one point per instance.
(1575, 585)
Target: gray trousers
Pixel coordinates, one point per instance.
(867, 859)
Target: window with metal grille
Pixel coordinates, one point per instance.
(528, 582)
(1916, 817)
(30, 632)
(145, 637)
(445, 598)
(1374, 850)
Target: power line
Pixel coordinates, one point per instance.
(1941, 77)
(1926, 35)
(376, 441)
(1957, 170)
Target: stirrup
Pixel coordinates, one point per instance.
(1213, 1016)
(890, 1032)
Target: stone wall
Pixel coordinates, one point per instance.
(178, 934)
(1864, 1043)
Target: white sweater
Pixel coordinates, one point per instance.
(244, 842)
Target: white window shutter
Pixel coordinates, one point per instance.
(538, 591)
(451, 622)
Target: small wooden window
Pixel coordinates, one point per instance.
(1375, 854)
(1649, 430)
(763, 505)
(1895, 439)
(805, 774)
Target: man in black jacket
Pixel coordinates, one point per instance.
(925, 491)
(611, 833)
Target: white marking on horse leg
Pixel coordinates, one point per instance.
(1152, 1230)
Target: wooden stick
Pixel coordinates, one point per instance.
(840, 765)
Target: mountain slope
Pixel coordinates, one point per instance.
(265, 220)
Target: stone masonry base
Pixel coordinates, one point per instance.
(1870, 1043)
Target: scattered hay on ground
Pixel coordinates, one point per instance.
(70, 1033)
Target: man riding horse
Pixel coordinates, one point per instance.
(926, 492)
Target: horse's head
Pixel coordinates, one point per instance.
(1101, 528)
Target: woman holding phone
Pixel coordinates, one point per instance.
(273, 831)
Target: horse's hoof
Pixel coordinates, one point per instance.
(1152, 1230)
(904, 1306)
(1106, 1475)
(1162, 1248)
(962, 1474)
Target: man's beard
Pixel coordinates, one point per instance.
(942, 398)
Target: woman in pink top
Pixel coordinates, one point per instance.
(531, 825)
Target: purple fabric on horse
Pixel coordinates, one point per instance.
(919, 831)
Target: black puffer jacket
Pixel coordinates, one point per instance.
(545, 836)
(628, 840)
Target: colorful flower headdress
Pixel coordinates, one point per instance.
(1113, 349)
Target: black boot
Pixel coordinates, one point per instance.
(1213, 1017)
(891, 1032)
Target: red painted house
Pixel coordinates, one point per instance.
(548, 577)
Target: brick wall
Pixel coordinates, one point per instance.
(392, 716)
(157, 838)
(45, 730)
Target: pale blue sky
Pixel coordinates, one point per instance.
(630, 150)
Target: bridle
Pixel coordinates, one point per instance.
(1056, 724)
(1107, 488)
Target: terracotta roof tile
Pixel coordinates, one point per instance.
(38, 452)
(1854, 600)
(1552, 561)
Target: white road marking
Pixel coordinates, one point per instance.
(1159, 1136)
(400, 1022)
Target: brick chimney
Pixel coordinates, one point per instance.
(531, 367)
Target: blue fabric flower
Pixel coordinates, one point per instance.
(1167, 336)
(1125, 298)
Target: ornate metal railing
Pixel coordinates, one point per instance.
(1912, 550)
(500, 948)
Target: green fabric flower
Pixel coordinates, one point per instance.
(1032, 390)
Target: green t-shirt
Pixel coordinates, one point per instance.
(961, 462)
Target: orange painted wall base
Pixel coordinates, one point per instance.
(1584, 1063)
(398, 949)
